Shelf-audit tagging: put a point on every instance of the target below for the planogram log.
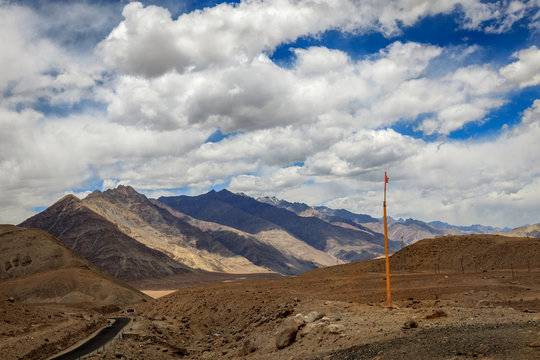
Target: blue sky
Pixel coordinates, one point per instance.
(305, 101)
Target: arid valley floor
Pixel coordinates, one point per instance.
(331, 313)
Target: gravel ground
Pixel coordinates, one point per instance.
(504, 341)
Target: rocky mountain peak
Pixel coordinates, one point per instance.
(96, 194)
(67, 202)
(122, 191)
(69, 198)
(121, 194)
(125, 189)
(272, 200)
(225, 192)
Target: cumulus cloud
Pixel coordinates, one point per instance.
(235, 87)
(427, 178)
(496, 17)
(320, 60)
(380, 90)
(35, 68)
(450, 101)
(43, 158)
(500, 179)
(260, 94)
(150, 43)
(526, 70)
(532, 114)
(316, 130)
(361, 153)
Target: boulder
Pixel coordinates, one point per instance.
(286, 333)
(313, 316)
(311, 328)
(334, 329)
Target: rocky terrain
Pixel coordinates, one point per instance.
(37, 331)
(340, 312)
(49, 296)
(464, 253)
(463, 296)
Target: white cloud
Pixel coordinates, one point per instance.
(361, 153)
(532, 114)
(46, 157)
(397, 63)
(491, 182)
(150, 43)
(320, 60)
(33, 66)
(277, 146)
(496, 17)
(314, 131)
(453, 117)
(526, 70)
(260, 94)
(463, 182)
(450, 101)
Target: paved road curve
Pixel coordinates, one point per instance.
(97, 342)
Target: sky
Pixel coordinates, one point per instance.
(305, 100)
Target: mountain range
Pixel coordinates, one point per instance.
(525, 231)
(102, 242)
(242, 212)
(406, 231)
(136, 238)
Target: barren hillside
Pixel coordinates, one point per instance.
(340, 312)
(37, 267)
(525, 231)
(101, 242)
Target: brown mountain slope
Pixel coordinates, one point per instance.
(37, 267)
(525, 231)
(101, 242)
(298, 255)
(166, 231)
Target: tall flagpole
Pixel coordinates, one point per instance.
(388, 296)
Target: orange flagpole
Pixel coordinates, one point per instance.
(388, 296)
